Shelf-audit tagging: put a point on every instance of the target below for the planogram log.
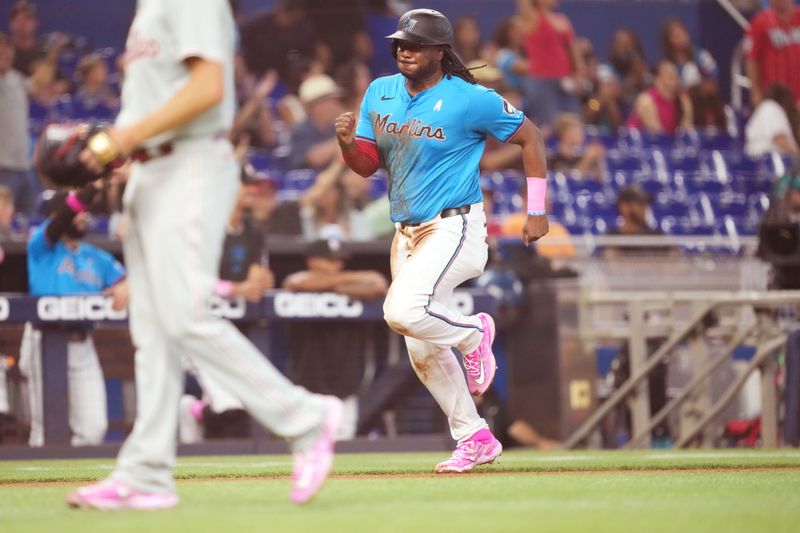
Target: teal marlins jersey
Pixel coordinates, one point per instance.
(432, 143)
(54, 269)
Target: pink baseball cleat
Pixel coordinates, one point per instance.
(480, 364)
(312, 465)
(112, 494)
(480, 449)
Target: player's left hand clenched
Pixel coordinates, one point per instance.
(535, 228)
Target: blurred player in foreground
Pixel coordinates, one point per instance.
(428, 126)
(177, 104)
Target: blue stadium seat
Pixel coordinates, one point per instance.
(730, 204)
(711, 139)
(622, 160)
(666, 206)
(684, 161)
(299, 180)
(379, 186)
(696, 183)
(606, 138)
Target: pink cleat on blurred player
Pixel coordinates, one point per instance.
(480, 449)
(312, 465)
(112, 495)
(480, 364)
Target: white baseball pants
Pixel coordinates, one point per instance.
(429, 261)
(177, 208)
(88, 416)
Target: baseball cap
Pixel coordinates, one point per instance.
(332, 249)
(317, 87)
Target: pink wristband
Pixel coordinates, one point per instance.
(75, 204)
(224, 288)
(537, 192)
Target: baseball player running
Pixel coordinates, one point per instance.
(177, 104)
(428, 126)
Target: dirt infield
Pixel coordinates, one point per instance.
(434, 475)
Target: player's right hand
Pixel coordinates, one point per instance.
(536, 227)
(346, 128)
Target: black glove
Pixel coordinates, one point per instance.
(57, 155)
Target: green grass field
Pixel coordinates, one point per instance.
(711, 490)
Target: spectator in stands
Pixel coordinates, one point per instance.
(44, 86)
(772, 49)
(23, 25)
(467, 38)
(626, 67)
(289, 106)
(556, 66)
(698, 72)
(278, 38)
(340, 32)
(15, 164)
(93, 87)
(774, 125)
(326, 357)
(313, 142)
(778, 236)
(353, 77)
(633, 206)
(59, 263)
(272, 216)
(254, 118)
(602, 103)
(507, 52)
(664, 108)
(572, 153)
(694, 65)
(327, 211)
(6, 214)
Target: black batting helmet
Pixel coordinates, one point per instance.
(424, 26)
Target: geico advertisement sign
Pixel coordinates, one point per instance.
(323, 305)
(233, 309)
(97, 307)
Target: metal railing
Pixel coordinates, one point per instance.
(684, 318)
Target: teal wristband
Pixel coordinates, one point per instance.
(536, 213)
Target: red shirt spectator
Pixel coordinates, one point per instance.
(773, 48)
(548, 47)
(662, 108)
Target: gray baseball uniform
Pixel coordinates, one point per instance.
(177, 207)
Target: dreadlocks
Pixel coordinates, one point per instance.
(452, 66)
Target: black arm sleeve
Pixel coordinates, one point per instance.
(63, 213)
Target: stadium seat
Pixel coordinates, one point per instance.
(299, 180)
(715, 140)
(623, 160)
